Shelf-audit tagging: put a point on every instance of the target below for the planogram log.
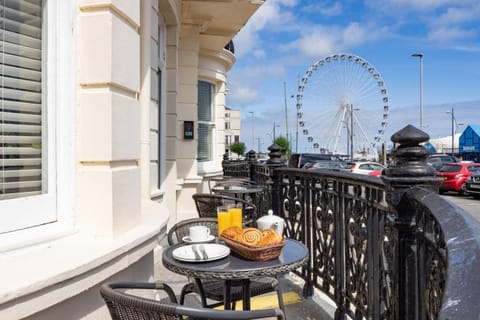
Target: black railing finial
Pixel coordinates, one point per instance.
(275, 154)
(409, 167)
(251, 156)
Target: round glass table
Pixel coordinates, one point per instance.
(232, 267)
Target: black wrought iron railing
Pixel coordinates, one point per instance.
(388, 248)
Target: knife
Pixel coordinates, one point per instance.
(203, 251)
(195, 252)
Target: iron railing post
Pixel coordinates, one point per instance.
(409, 169)
(251, 160)
(273, 162)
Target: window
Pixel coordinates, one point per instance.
(227, 125)
(29, 119)
(206, 124)
(158, 105)
(21, 95)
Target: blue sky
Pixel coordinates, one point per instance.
(285, 37)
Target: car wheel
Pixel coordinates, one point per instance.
(463, 190)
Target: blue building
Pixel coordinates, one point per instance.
(470, 143)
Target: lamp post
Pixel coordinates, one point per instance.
(274, 126)
(253, 129)
(420, 56)
(454, 127)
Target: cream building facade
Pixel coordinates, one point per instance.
(232, 128)
(98, 101)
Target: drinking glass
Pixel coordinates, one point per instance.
(223, 216)
(235, 216)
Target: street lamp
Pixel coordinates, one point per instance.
(420, 56)
(253, 129)
(454, 127)
(275, 126)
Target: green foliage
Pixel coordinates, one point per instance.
(238, 148)
(283, 142)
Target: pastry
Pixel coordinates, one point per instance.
(249, 236)
(270, 236)
(231, 232)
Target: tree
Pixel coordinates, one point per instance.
(238, 148)
(283, 143)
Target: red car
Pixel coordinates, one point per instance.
(454, 176)
(375, 173)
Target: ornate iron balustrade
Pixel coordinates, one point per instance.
(388, 248)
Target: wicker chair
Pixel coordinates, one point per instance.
(207, 205)
(128, 306)
(214, 289)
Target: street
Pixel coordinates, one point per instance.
(467, 203)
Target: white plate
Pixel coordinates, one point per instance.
(193, 252)
(188, 240)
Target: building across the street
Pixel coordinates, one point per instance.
(470, 143)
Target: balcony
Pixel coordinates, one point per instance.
(380, 248)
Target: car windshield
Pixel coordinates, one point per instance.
(450, 168)
(473, 168)
(329, 165)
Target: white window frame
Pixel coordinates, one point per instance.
(209, 165)
(156, 186)
(50, 214)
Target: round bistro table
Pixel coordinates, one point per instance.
(294, 254)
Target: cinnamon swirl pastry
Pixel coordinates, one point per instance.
(249, 236)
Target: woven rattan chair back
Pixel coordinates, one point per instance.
(181, 228)
(129, 306)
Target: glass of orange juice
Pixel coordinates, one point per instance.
(235, 216)
(223, 216)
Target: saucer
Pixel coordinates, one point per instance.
(188, 240)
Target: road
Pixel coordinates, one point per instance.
(469, 204)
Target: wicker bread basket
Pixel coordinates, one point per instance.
(263, 252)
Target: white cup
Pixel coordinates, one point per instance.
(199, 233)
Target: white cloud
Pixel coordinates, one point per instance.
(324, 8)
(272, 14)
(242, 95)
(322, 40)
(449, 34)
(333, 10)
(411, 5)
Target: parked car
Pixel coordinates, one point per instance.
(298, 160)
(375, 173)
(472, 185)
(328, 164)
(455, 175)
(364, 167)
(438, 160)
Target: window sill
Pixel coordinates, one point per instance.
(38, 277)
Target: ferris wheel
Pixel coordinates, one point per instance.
(342, 107)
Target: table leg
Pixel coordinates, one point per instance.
(227, 302)
(246, 294)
